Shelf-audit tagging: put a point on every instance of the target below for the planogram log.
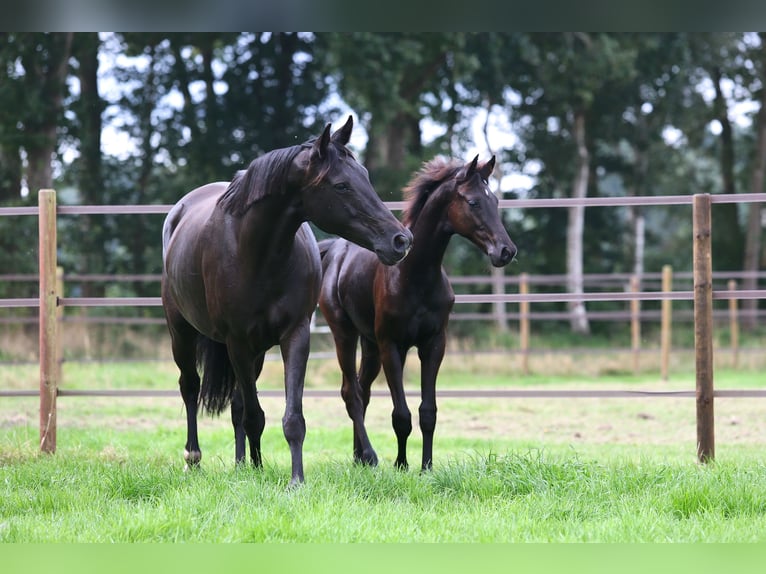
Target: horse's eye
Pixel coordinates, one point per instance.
(472, 202)
(342, 186)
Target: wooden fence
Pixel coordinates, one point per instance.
(50, 302)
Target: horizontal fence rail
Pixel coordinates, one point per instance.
(702, 280)
(441, 394)
(632, 201)
(465, 298)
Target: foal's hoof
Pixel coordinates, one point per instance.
(367, 458)
(192, 459)
(296, 482)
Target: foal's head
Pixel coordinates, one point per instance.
(468, 206)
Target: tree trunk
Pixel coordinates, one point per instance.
(727, 247)
(10, 174)
(754, 229)
(575, 227)
(90, 175)
(389, 143)
(46, 73)
(497, 274)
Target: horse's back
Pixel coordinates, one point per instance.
(197, 205)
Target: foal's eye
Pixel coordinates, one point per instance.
(342, 186)
(472, 202)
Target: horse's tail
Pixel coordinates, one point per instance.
(218, 379)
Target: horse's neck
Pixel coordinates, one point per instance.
(267, 231)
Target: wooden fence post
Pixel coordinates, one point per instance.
(666, 323)
(733, 326)
(59, 326)
(524, 323)
(48, 319)
(703, 325)
(635, 323)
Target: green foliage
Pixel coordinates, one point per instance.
(196, 107)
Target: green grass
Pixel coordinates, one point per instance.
(526, 496)
(522, 470)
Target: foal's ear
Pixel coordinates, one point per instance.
(343, 135)
(321, 143)
(486, 170)
(469, 170)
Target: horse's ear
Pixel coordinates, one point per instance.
(468, 170)
(343, 135)
(487, 169)
(321, 143)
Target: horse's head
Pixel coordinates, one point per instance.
(338, 197)
(473, 213)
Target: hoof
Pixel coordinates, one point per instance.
(401, 465)
(368, 458)
(296, 482)
(192, 459)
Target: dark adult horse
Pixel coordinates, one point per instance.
(242, 273)
(408, 304)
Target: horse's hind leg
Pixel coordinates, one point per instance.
(431, 355)
(184, 346)
(237, 414)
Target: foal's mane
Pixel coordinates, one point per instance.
(430, 177)
(268, 175)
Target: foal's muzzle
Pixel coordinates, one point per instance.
(503, 256)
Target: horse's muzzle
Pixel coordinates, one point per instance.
(504, 256)
(398, 249)
(402, 243)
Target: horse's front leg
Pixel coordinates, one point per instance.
(431, 355)
(392, 359)
(295, 354)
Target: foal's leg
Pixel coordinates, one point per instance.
(368, 371)
(184, 347)
(247, 415)
(431, 355)
(345, 347)
(393, 359)
(295, 355)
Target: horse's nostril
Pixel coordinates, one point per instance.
(402, 242)
(508, 254)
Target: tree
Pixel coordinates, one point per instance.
(32, 95)
(754, 232)
(394, 81)
(561, 76)
(37, 66)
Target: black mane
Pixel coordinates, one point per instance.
(268, 175)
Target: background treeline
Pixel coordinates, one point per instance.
(140, 118)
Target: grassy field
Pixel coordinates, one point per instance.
(512, 470)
